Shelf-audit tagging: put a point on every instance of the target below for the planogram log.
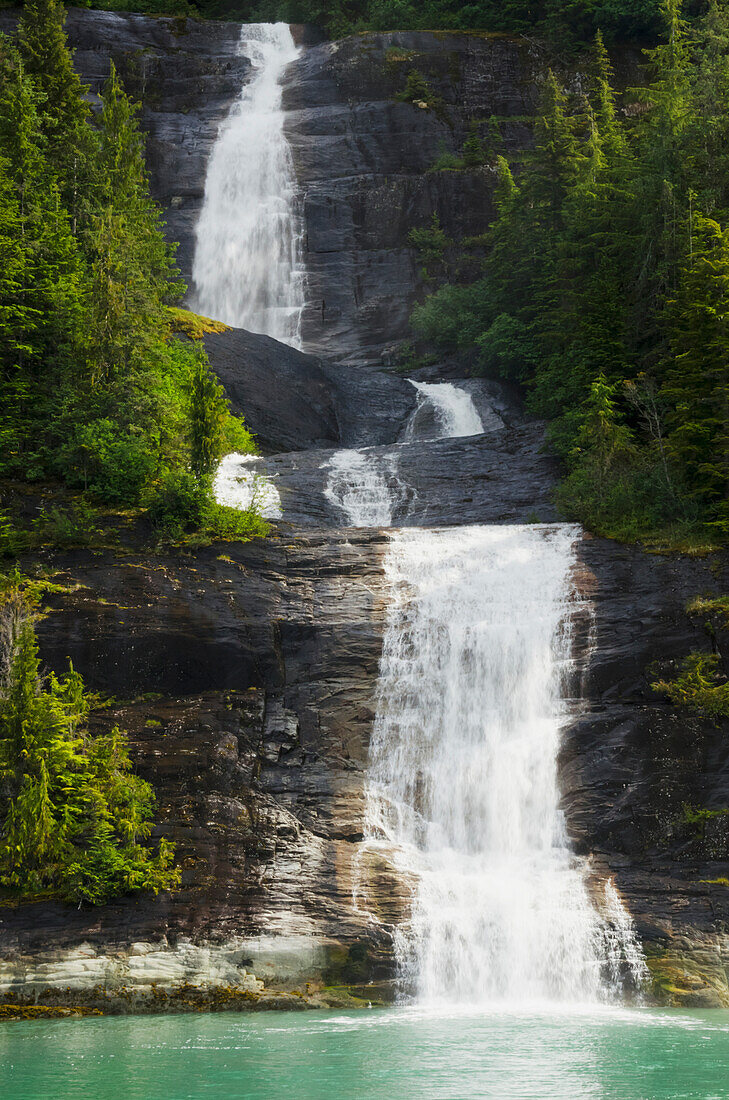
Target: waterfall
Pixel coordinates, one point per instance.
(239, 483)
(248, 268)
(444, 411)
(364, 484)
(360, 486)
(462, 788)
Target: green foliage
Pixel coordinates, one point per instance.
(67, 527)
(605, 288)
(699, 817)
(177, 504)
(96, 389)
(716, 607)
(72, 813)
(700, 684)
(182, 504)
(432, 243)
(416, 90)
(208, 414)
(474, 153)
(563, 20)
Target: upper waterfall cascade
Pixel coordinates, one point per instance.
(248, 267)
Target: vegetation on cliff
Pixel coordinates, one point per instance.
(72, 813)
(701, 680)
(605, 288)
(564, 20)
(98, 391)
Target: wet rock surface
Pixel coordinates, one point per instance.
(294, 402)
(632, 764)
(245, 674)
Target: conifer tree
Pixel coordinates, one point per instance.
(208, 413)
(62, 109)
(71, 811)
(555, 162)
(473, 150)
(696, 377)
(133, 273)
(602, 98)
(43, 285)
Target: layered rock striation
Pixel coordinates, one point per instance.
(245, 674)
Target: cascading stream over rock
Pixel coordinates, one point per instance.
(248, 268)
(463, 792)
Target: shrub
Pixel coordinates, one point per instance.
(700, 684)
(178, 503)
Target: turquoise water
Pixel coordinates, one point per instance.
(395, 1054)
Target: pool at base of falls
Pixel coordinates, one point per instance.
(508, 1053)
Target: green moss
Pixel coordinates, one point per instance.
(396, 56)
(194, 325)
(710, 605)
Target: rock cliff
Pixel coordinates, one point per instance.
(245, 674)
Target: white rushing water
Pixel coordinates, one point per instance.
(248, 268)
(463, 770)
(444, 411)
(363, 486)
(363, 483)
(240, 483)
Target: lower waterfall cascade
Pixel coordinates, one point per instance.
(248, 268)
(463, 792)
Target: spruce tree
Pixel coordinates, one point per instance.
(696, 376)
(71, 811)
(133, 273)
(42, 296)
(63, 110)
(208, 415)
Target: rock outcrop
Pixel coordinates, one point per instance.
(245, 674)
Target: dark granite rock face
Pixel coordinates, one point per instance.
(632, 764)
(362, 158)
(294, 402)
(263, 657)
(261, 660)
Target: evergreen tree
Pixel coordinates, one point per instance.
(71, 811)
(555, 162)
(208, 413)
(696, 377)
(63, 110)
(133, 273)
(42, 285)
(473, 150)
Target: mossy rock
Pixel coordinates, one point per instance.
(681, 981)
(193, 325)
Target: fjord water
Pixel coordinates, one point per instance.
(600, 1054)
(248, 269)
